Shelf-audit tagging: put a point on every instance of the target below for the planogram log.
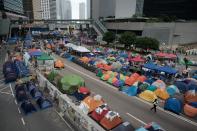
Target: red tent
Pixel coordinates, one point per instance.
(84, 90)
(165, 55)
(137, 59)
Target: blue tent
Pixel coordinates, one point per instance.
(44, 103)
(181, 86)
(130, 91)
(35, 53)
(151, 66)
(166, 69)
(174, 105)
(192, 86)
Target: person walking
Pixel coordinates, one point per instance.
(155, 103)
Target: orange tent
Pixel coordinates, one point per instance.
(50, 46)
(84, 59)
(107, 67)
(141, 78)
(132, 79)
(58, 64)
(91, 103)
(190, 110)
(111, 120)
(100, 65)
(162, 93)
(190, 96)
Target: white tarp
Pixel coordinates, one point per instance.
(81, 49)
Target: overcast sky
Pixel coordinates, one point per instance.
(75, 8)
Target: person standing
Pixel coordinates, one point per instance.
(155, 103)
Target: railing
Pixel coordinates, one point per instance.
(101, 28)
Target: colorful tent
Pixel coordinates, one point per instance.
(151, 88)
(173, 105)
(132, 79)
(141, 78)
(190, 110)
(137, 59)
(84, 59)
(70, 83)
(130, 91)
(191, 96)
(159, 84)
(89, 104)
(43, 57)
(181, 85)
(111, 120)
(59, 64)
(119, 83)
(112, 80)
(162, 93)
(172, 89)
(148, 96)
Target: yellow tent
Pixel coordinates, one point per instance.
(162, 93)
(148, 96)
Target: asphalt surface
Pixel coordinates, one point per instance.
(131, 109)
(12, 118)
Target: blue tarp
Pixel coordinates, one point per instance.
(192, 86)
(35, 53)
(151, 66)
(173, 105)
(166, 69)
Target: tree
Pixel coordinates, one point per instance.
(127, 39)
(147, 43)
(109, 37)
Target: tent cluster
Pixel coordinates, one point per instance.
(28, 92)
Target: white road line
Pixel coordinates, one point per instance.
(180, 117)
(142, 122)
(3, 88)
(19, 111)
(64, 121)
(15, 102)
(23, 121)
(5, 93)
(11, 90)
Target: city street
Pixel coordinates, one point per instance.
(130, 108)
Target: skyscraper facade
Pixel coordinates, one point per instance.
(28, 8)
(45, 9)
(37, 12)
(82, 10)
(14, 6)
(53, 9)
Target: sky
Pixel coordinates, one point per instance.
(75, 8)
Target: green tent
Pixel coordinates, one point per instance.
(52, 75)
(70, 83)
(152, 88)
(99, 73)
(44, 57)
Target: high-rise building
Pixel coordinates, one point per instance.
(53, 9)
(82, 10)
(181, 9)
(88, 9)
(62, 10)
(45, 8)
(37, 12)
(28, 8)
(13, 6)
(102, 8)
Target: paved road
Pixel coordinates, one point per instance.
(130, 108)
(13, 120)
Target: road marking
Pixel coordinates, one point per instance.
(3, 88)
(5, 93)
(142, 122)
(64, 121)
(19, 111)
(11, 90)
(15, 102)
(23, 121)
(161, 109)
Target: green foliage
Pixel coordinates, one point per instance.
(109, 37)
(147, 43)
(127, 39)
